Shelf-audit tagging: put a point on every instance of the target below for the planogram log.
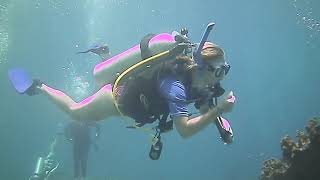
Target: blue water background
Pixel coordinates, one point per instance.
(275, 75)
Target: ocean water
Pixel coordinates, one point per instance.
(273, 48)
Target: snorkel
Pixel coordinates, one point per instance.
(197, 53)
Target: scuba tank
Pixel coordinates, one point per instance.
(39, 172)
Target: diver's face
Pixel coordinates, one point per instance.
(214, 72)
(218, 69)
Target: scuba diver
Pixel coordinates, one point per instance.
(101, 50)
(45, 166)
(153, 82)
(78, 133)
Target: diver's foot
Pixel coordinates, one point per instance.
(35, 88)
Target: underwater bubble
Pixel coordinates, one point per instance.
(4, 37)
(76, 84)
(306, 18)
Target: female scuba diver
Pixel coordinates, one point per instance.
(101, 50)
(160, 78)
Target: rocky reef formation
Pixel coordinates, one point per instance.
(301, 159)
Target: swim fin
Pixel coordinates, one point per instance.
(225, 130)
(20, 79)
(22, 82)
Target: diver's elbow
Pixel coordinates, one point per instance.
(181, 124)
(184, 134)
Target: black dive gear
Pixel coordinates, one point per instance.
(207, 95)
(156, 148)
(184, 32)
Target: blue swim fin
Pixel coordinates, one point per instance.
(20, 79)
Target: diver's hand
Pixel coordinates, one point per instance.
(227, 103)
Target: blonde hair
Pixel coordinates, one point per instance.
(209, 52)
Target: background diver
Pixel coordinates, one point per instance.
(101, 50)
(45, 166)
(78, 133)
(186, 80)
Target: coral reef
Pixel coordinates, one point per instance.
(301, 159)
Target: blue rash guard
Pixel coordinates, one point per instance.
(175, 92)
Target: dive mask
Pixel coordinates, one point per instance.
(218, 71)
